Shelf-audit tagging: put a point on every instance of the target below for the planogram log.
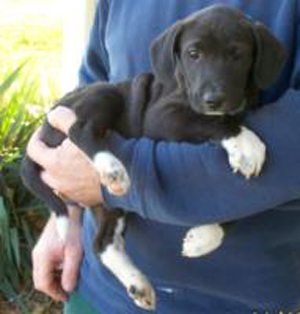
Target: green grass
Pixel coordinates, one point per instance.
(21, 106)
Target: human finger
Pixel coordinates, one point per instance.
(61, 118)
(50, 180)
(82, 185)
(47, 278)
(71, 268)
(38, 151)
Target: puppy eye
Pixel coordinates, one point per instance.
(194, 53)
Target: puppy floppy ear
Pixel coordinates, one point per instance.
(163, 53)
(270, 56)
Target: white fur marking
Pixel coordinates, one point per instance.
(246, 152)
(62, 225)
(112, 172)
(202, 240)
(119, 263)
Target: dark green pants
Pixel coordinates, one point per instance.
(78, 305)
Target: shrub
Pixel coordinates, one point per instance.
(21, 216)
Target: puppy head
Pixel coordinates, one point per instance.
(216, 56)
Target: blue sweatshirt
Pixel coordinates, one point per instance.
(179, 185)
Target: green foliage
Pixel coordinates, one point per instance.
(16, 118)
(32, 31)
(19, 116)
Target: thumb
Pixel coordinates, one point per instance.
(70, 269)
(61, 118)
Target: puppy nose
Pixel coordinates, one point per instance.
(214, 100)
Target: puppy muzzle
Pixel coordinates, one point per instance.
(218, 108)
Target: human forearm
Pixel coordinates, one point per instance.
(56, 264)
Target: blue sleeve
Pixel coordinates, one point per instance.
(95, 64)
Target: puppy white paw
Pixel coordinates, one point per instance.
(141, 291)
(246, 153)
(202, 240)
(113, 174)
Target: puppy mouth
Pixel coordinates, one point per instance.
(214, 113)
(226, 110)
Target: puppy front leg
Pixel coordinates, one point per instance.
(246, 152)
(113, 174)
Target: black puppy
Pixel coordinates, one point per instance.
(207, 71)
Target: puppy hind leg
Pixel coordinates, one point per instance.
(110, 244)
(202, 240)
(106, 220)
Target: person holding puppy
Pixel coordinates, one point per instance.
(178, 185)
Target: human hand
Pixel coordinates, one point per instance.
(66, 168)
(56, 263)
